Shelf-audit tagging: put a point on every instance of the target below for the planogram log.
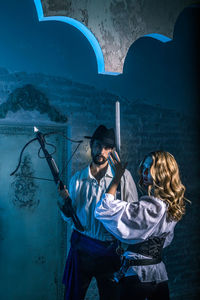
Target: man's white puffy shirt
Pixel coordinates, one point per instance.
(135, 222)
(86, 192)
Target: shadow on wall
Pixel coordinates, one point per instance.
(164, 73)
(54, 47)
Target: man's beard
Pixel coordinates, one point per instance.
(97, 161)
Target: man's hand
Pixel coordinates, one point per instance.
(64, 194)
(65, 205)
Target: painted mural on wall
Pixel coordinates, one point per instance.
(24, 187)
(28, 98)
(51, 72)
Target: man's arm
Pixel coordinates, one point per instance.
(64, 201)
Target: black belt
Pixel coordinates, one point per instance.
(77, 237)
(129, 262)
(151, 248)
(143, 261)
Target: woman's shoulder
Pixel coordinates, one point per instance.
(153, 203)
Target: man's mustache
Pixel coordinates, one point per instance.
(100, 156)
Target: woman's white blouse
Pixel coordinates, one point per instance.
(135, 222)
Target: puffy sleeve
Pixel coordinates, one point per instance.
(130, 221)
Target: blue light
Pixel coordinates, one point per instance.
(87, 33)
(159, 37)
(111, 73)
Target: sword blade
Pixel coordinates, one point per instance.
(117, 127)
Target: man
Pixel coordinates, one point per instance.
(93, 252)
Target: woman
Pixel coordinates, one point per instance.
(146, 226)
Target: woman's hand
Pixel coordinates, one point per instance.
(117, 167)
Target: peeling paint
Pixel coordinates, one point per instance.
(116, 24)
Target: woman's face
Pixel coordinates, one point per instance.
(146, 175)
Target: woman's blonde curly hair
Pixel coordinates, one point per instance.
(167, 184)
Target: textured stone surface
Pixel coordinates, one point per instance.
(144, 128)
(118, 23)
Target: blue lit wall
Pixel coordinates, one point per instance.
(54, 47)
(65, 47)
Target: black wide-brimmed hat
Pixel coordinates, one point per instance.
(104, 135)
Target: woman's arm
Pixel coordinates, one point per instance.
(130, 221)
(118, 170)
(112, 189)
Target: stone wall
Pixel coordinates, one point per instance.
(144, 128)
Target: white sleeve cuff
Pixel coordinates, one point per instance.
(109, 197)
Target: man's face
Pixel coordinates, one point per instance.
(100, 152)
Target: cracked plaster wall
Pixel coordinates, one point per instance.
(117, 24)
